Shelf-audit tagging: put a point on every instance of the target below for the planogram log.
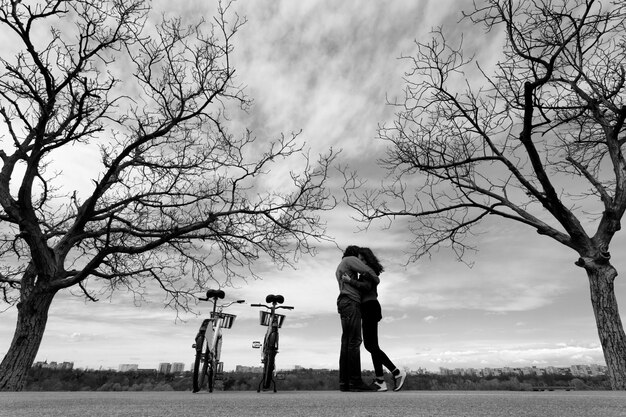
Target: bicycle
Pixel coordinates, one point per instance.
(273, 321)
(207, 367)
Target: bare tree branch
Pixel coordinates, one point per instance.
(539, 142)
(176, 200)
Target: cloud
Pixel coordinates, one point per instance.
(508, 275)
(80, 337)
(391, 319)
(326, 67)
(513, 355)
(299, 325)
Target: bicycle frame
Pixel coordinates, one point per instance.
(273, 323)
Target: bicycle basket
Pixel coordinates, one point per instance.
(264, 318)
(227, 319)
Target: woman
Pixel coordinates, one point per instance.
(371, 314)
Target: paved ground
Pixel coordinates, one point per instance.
(314, 403)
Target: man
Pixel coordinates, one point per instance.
(349, 308)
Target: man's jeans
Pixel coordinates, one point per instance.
(350, 355)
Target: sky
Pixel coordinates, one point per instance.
(327, 68)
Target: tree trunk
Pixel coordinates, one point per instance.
(610, 328)
(32, 315)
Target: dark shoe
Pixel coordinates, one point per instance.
(361, 387)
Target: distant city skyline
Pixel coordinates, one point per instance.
(178, 367)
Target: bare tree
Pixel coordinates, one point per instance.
(539, 141)
(175, 197)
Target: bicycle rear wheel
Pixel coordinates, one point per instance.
(270, 358)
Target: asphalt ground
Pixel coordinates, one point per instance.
(315, 403)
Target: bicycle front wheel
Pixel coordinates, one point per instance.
(203, 357)
(270, 358)
(200, 363)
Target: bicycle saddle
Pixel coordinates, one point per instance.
(278, 299)
(215, 294)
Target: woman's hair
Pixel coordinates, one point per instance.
(351, 251)
(371, 260)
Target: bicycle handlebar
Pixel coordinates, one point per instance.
(269, 307)
(223, 305)
(232, 302)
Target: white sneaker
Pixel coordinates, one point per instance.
(398, 380)
(379, 386)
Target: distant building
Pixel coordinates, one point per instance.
(419, 371)
(178, 367)
(445, 371)
(580, 370)
(575, 370)
(128, 367)
(507, 370)
(588, 370)
(254, 369)
(598, 370)
(165, 368)
(551, 370)
(54, 365)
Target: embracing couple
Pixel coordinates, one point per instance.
(358, 306)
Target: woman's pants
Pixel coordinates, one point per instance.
(370, 316)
